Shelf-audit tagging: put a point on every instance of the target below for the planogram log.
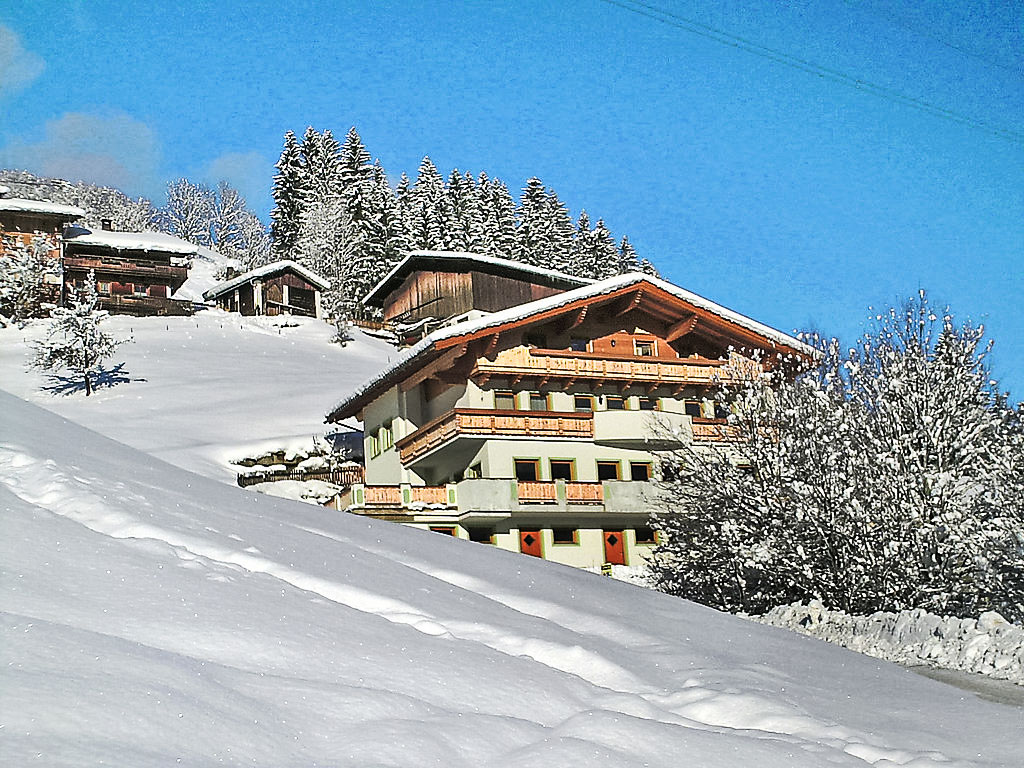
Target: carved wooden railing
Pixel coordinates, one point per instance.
(715, 431)
(128, 267)
(344, 476)
(523, 361)
(584, 493)
(536, 491)
(471, 421)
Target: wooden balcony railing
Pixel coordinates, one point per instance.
(550, 364)
(441, 496)
(480, 422)
(715, 431)
(103, 267)
(584, 493)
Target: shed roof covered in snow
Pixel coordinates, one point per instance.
(21, 205)
(267, 270)
(159, 242)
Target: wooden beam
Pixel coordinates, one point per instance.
(632, 303)
(681, 328)
(573, 320)
(492, 344)
(430, 371)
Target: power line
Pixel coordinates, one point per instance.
(826, 73)
(923, 33)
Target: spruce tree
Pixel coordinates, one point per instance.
(290, 193)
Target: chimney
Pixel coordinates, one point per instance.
(107, 224)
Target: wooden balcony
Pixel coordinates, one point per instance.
(127, 269)
(442, 499)
(546, 365)
(715, 431)
(472, 422)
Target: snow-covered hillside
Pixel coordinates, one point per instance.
(154, 617)
(200, 391)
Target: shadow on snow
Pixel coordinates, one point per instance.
(104, 378)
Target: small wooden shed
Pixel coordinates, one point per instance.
(279, 288)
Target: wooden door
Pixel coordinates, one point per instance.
(529, 543)
(614, 548)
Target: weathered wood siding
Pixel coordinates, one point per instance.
(430, 294)
(443, 294)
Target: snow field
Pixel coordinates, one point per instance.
(989, 645)
(151, 615)
(202, 391)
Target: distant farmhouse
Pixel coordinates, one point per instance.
(282, 287)
(136, 273)
(21, 221)
(531, 408)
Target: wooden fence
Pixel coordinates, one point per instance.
(345, 476)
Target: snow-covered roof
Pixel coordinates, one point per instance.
(40, 206)
(267, 270)
(463, 260)
(134, 241)
(411, 357)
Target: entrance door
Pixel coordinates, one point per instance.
(529, 543)
(614, 548)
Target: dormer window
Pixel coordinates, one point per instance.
(644, 348)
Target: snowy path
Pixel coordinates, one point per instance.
(150, 614)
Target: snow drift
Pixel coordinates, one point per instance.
(989, 645)
(151, 616)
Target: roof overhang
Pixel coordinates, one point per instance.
(675, 310)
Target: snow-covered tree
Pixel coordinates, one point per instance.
(290, 194)
(24, 269)
(74, 340)
(189, 211)
(888, 477)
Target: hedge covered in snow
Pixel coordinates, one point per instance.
(989, 645)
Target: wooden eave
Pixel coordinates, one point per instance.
(451, 359)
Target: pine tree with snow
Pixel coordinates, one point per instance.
(886, 478)
(290, 193)
(74, 340)
(27, 273)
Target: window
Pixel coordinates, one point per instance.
(583, 403)
(527, 469)
(646, 535)
(647, 404)
(387, 436)
(103, 286)
(139, 290)
(721, 410)
(608, 470)
(481, 535)
(563, 469)
(644, 348)
(374, 443)
(565, 535)
(639, 470)
(539, 401)
(692, 408)
(579, 345)
(505, 401)
(473, 472)
(445, 529)
(614, 403)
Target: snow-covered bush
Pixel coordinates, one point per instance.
(74, 340)
(24, 269)
(889, 477)
(988, 645)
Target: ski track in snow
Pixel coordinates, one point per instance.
(81, 498)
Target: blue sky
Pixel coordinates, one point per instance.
(789, 195)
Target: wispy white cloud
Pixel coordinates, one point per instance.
(18, 66)
(113, 149)
(249, 172)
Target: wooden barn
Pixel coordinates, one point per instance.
(428, 287)
(279, 288)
